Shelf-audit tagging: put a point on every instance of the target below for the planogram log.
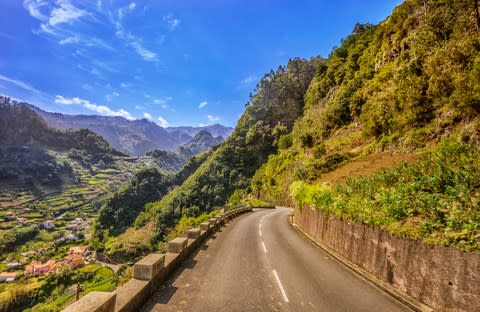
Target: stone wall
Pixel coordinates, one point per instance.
(444, 278)
(152, 271)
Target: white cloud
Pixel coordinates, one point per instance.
(171, 21)
(139, 107)
(69, 40)
(65, 13)
(34, 8)
(56, 20)
(147, 116)
(248, 80)
(202, 104)
(136, 43)
(19, 83)
(162, 122)
(124, 85)
(163, 102)
(100, 109)
(213, 118)
(87, 87)
(132, 6)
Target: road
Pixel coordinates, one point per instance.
(258, 262)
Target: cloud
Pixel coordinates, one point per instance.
(87, 87)
(139, 107)
(20, 84)
(65, 13)
(135, 42)
(162, 122)
(213, 118)
(132, 6)
(147, 116)
(202, 104)
(100, 109)
(69, 40)
(171, 21)
(34, 8)
(163, 102)
(124, 85)
(249, 80)
(56, 20)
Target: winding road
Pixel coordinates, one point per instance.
(258, 262)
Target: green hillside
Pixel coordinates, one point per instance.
(399, 87)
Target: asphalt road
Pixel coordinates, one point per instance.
(258, 262)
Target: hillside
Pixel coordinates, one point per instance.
(202, 141)
(131, 137)
(389, 87)
(409, 86)
(271, 112)
(215, 130)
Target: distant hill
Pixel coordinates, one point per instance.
(132, 137)
(30, 149)
(215, 130)
(202, 141)
(174, 161)
(21, 126)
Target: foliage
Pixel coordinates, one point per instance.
(122, 207)
(270, 113)
(9, 239)
(436, 198)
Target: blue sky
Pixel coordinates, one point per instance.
(171, 61)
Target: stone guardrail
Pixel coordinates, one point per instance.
(152, 271)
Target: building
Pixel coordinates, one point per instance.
(8, 276)
(49, 225)
(78, 250)
(73, 261)
(13, 265)
(37, 268)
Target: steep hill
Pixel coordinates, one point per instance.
(29, 149)
(202, 141)
(215, 130)
(270, 113)
(132, 137)
(401, 86)
(410, 85)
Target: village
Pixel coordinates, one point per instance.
(77, 257)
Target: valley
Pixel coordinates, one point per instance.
(363, 161)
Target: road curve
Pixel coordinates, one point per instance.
(258, 262)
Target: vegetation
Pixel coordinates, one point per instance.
(435, 199)
(123, 206)
(401, 86)
(271, 112)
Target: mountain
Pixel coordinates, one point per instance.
(202, 141)
(174, 161)
(215, 130)
(131, 137)
(270, 113)
(34, 155)
(408, 85)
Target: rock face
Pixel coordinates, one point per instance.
(444, 278)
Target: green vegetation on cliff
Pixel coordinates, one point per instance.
(271, 112)
(435, 199)
(401, 86)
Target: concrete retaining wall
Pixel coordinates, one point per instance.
(151, 272)
(446, 279)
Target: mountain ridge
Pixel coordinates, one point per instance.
(135, 137)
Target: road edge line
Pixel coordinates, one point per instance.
(410, 302)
